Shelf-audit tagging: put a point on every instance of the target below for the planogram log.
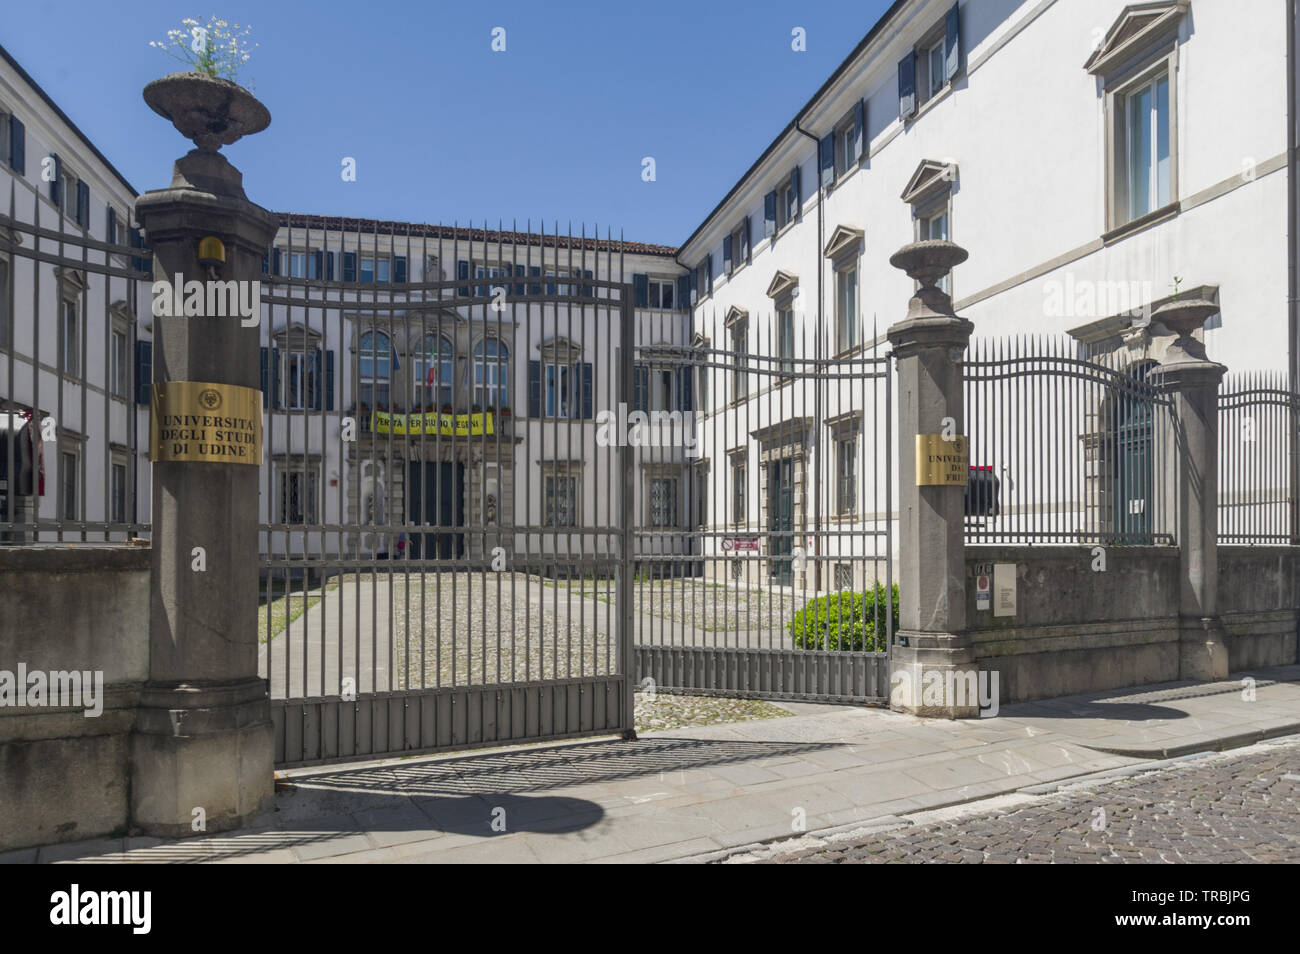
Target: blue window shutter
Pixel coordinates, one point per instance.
(56, 187)
(860, 129)
(399, 269)
(110, 227)
(83, 204)
(695, 291)
(462, 274)
(588, 291)
(769, 214)
(317, 391)
(534, 288)
(519, 272)
(17, 145)
(907, 85)
(318, 262)
(641, 291)
(684, 377)
(329, 380)
(266, 374)
(349, 266)
(266, 264)
(586, 391)
(641, 388)
(796, 198)
(275, 261)
(747, 251)
(708, 271)
(329, 266)
(534, 389)
(828, 160)
(952, 43)
(275, 377)
(143, 370)
(683, 292)
(727, 262)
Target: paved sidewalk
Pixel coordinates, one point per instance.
(699, 793)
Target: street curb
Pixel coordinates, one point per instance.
(1208, 744)
(872, 826)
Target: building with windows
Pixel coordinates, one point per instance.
(1094, 157)
(74, 325)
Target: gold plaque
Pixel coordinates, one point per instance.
(197, 421)
(940, 461)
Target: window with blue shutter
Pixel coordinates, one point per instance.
(110, 226)
(266, 264)
(83, 205)
(746, 251)
(56, 186)
(329, 266)
(317, 264)
(17, 145)
(275, 377)
(641, 291)
(534, 389)
(534, 288)
(588, 291)
(141, 263)
(265, 358)
(519, 273)
(708, 272)
(462, 274)
(684, 301)
(695, 291)
(907, 85)
(795, 197)
(399, 269)
(726, 254)
(275, 261)
(586, 391)
(860, 130)
(349, 266)
(143, 370)
(329, 380)
(641, 388)
(769, 214)
(952, 43)
(827, 150)
(317, 390)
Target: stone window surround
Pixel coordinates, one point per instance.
(785, 440)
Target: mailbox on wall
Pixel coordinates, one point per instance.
(982, 492)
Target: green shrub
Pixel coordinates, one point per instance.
(849, 622)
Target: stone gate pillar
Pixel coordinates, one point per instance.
(202, 747)
(932, 654)
(1194, 381)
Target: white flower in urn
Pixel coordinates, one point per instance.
(217, 49)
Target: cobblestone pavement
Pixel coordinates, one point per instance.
(1218, 809)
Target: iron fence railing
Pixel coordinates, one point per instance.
(74, 371)
(1259, 454)
(1065, 449)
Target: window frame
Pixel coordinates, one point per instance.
(118, 460)
(655, 287)
(70, 350)
(554, 475)
(495, 367)
(373, 380)
(1119, 89)
(668, 516)
(739, 491)
(119, 364)
(846, 507)
(843, 346)
(420, 367)
(738, 332)
(309, 471)
(69, 448)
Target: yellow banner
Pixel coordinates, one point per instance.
(200, 421)
(446, 425)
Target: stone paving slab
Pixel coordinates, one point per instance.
(688, 792)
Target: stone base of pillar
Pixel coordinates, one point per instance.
(934, 676)
(1202, 649)
(201, 747)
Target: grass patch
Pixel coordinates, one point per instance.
(284, 609)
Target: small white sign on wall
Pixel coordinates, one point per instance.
(1004, 589)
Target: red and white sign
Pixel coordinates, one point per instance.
(983, 592)
(739, 544)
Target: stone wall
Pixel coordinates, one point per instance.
(1078, 630)
(63, 776)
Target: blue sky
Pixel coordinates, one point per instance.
(444, 129)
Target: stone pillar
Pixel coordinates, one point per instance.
(1194, 381)
(203, 736)
(931, 649)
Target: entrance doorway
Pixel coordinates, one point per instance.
(780, 519)
(435, 496)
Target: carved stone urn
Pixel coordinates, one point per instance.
(1184, 316)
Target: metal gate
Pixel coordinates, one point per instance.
(442, 537)
(777, 582)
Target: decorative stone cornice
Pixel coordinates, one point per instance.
(1138, 26)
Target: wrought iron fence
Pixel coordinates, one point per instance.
(1259, 456)
(1065, 449)
(74, 374)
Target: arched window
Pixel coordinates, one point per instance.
(374, 368)
(491, 374)
(431, 373)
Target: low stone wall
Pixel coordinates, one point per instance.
(63, 775)
(1259, 602)
(1077, 629)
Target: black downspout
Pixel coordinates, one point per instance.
(818, 382)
